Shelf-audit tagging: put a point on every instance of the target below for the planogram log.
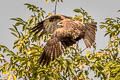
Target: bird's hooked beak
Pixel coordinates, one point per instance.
(59, 23)
(78, 22)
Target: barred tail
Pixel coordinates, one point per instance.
(89, 37)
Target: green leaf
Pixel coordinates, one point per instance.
(16, 41)
(32, 7)
(12, 29)
(118, 11)
(4, 50)
(102, 26)
(16, 19)
(47, 1)
(28, 63)
(14, 34)
(52, 1)
(18, 24)
(16, 30)
(116, 44)
(77, 10)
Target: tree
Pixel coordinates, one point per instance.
(23, 60)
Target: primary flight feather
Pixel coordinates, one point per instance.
(65, 32)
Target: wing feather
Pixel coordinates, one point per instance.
(49, 25)
(89, 37)
(38, 27)
(51, 50)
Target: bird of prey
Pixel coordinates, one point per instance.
(65, 32)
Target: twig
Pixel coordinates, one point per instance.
(55, 6)
(83, 50)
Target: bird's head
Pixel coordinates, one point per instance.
(78, 22)
(63, 22)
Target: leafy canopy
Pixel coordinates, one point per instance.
(27, 48)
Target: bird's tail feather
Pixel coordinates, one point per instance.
(89, 37)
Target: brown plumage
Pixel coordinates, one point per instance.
(65, 32)
(49, 25)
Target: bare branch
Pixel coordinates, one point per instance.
(55, 6)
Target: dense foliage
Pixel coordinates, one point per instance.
(22, 60)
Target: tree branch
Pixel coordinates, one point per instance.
(55, 6)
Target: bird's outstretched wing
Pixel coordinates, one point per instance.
(52, 50)
(49, 25)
